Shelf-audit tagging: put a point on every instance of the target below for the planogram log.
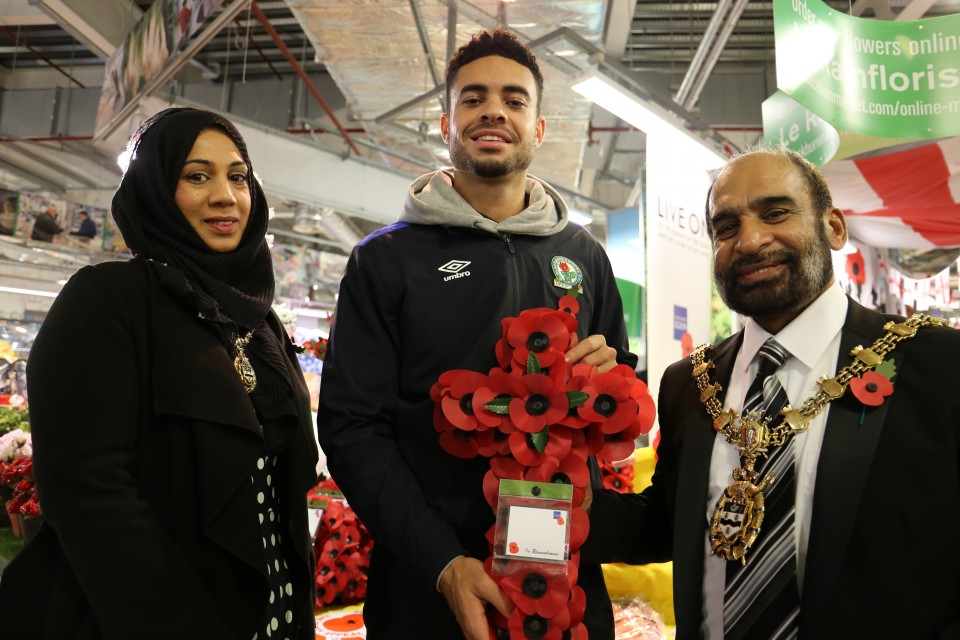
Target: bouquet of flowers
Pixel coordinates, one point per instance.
(342, 547)
(539, 419)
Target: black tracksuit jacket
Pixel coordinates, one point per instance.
(407, 313)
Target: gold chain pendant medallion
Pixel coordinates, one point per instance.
(242, 363)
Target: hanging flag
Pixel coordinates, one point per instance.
(906, 199)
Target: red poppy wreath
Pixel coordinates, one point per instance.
(539, 418)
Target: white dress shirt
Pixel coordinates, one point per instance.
(812, 339)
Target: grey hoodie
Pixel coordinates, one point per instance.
(432, 200)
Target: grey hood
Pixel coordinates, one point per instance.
(432, 200)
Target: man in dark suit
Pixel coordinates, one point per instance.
(859, 519)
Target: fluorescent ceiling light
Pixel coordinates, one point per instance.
(30, 292)
(642, 114)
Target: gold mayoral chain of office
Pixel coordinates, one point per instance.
(741, 505)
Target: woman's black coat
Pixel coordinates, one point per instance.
(144, 445)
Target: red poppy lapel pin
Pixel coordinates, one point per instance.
(873, 387)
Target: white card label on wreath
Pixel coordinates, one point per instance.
(313, 520)
(537, 534)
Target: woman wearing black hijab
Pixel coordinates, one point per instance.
(173, 474)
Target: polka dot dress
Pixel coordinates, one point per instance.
(277, 622)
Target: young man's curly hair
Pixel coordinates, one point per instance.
(495, 43)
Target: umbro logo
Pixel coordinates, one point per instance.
(456, 269)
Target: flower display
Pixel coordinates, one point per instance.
(342, 548)
(15, 444)
(539, 418)
(18, 476)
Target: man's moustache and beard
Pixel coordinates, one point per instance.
(492, 167)
(808, 272)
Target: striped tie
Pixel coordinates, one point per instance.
(762, 600)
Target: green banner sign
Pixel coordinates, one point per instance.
(872, 77)
(786, 121)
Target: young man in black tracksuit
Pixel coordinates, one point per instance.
(473, 245)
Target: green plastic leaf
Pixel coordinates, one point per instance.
(499, 405)
(576, 398)
(887, 369)
(533, 364)
(540, 439)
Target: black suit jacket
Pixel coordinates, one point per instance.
(144, 443)
(883, 559)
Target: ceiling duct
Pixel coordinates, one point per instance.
(307, 219)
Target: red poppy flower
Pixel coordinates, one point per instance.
(578, 376)
(501, 468)
(557, 445)
(617, 476)
(459, 443)
(579, 528)
(349, 535)
(646, 409)
(569, 304)
(534, 591)
(544, 402)
(610, 404)
(855, 268)
(332, 517)
(440, 422)
(543, 332)
(576, 607)
(619, 446)
(498, 384)
(456, 399)
(871, 388)
(492, 442)
(327, 582)
(536, 626)
(353, 581)
(571, 469)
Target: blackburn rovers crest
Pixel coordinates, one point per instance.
(566, 273)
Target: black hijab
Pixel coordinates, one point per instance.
(236, 286)
(232, 290)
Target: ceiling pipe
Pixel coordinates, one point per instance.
(39, 55)
(300, 72)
